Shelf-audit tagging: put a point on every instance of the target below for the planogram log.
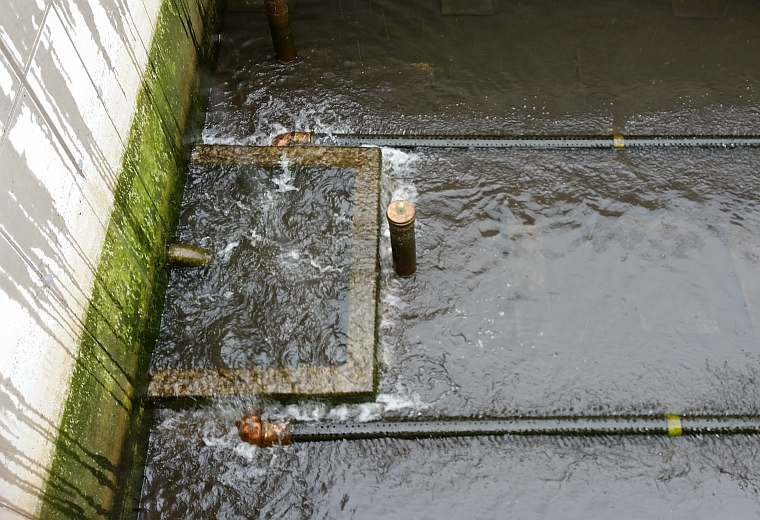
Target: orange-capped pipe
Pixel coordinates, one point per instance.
(291, 138)
(263, 433)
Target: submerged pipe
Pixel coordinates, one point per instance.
(534, 142)
(671, 425)
(185, 255)
(401, 216)
(263, 433)
(279, 26)
(291, 138)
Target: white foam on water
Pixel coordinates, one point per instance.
(285, 180)
(369, 412)
(226, 253)
(394, 300)
(397, 175)
(326, 269)
(313, 411)
(395, 402)
(255, 237)
(339, 413)
(307, 412)
(226, 439)
(248, 452)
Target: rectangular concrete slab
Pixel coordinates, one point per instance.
(466, 7)
(9, 85)
(19, 30)
(696, 8)
(70, 98)
(356, 376)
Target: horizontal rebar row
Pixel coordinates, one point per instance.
(538, 142)
(671, 425)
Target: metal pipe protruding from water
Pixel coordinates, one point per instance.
(185, 255)
(279, 26)
(291, 138)
(263, 433)
(401, 216)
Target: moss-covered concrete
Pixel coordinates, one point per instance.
(96, 468)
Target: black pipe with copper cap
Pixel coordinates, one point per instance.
(401, 216)
(263, 433)
(279, 26)
(291, 138)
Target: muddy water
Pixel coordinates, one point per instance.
(551, 282)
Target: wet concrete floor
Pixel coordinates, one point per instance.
(550, 282)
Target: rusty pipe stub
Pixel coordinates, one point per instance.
(263, 433)
(186, 255)
(279, 26)
(291, 138)
(401, 216)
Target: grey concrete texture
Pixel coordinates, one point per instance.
(357, 374)
(69, 75)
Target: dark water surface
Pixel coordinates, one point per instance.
(560, 282)
(276, 291)
(549, 282)
(538, 66)
(199, 469)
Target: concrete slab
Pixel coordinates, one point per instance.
(696, 8)
(745, 252)
(70, 99)
(22, 21)
(44, 203)
(110, 50)
(44, 288)
(9, 85)
(357, 375)
(466, 7)
(254, 6)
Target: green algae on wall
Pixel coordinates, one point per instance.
(95, 472)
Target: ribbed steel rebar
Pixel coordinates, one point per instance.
(670, 425)
(539, 142)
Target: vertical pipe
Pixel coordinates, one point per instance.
(279, 25)
(401, 216)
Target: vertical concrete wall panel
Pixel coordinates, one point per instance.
(52, 205)
(79, 168)
(94, 96)
(103, 35)
(19, 30)
(9, 86)
(70, 98)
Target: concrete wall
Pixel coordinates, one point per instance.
(71, 77)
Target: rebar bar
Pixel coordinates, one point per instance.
(539, 142)
(671, 425)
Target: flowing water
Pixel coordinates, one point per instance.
(554, 282)
(237, 311)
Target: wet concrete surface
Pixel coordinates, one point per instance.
(581, 67)
(200, 469)
(606, 282)
(281, 309)
(576, 282)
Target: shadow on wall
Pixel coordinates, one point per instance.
(70, 150)
(20, 412)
